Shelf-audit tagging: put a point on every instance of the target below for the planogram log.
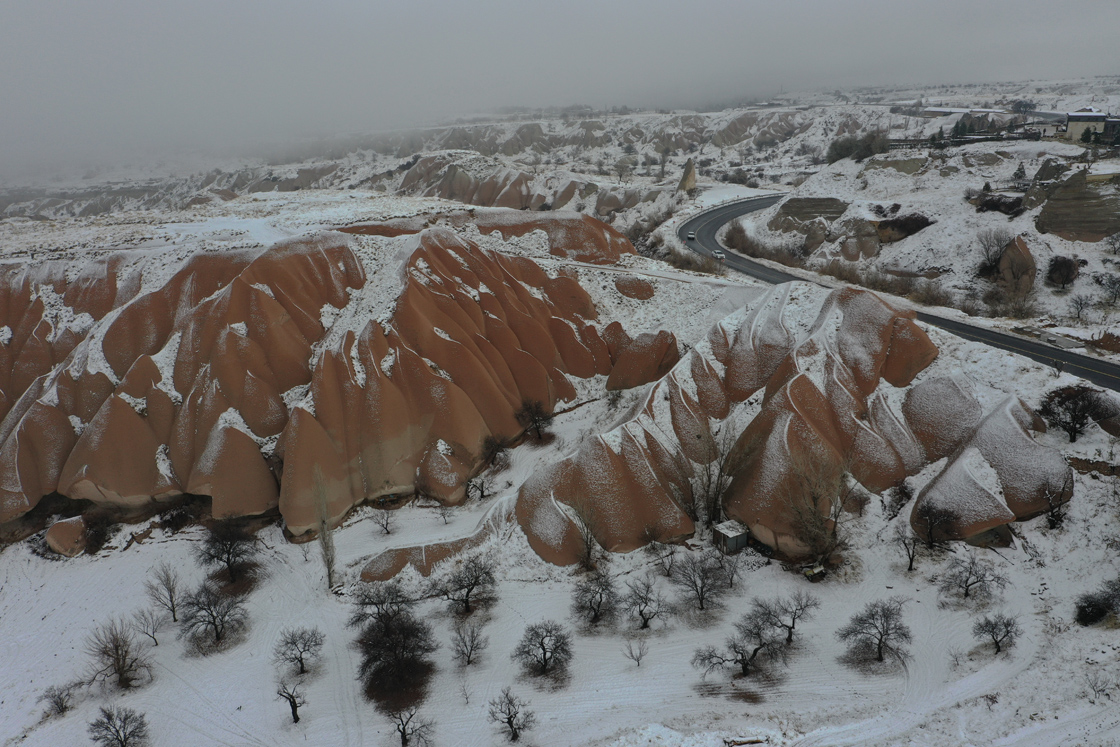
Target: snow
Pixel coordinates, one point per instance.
(47, 606)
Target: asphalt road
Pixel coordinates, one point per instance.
(707, 225)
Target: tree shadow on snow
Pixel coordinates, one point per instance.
(862, 659)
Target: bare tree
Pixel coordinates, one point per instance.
(1079, 304)
(471, 582)
(971, 576)
(992, 243)
(700, 579)
(878, 628)
(228, 545)
(164, 589)
(664, 555)
(1099, 683)
(298, 647)
(467, 642)
(512, 713)
(594, 597)
(1112, 243)
(534, 416)
(117, 657)
(714, 477)
(906, 541)
(119, 727)
(1111, 284)
(384, 518)
(379, 602)
(786, 612)
(1002, 630)
(291, 693)
(935, 522)
(411, 728)
(148, 622)
(395, 652)
(1062, 271)
(326, 533)
(210, 613)
(732, 567)
(545, 647)
(643, 602)
(816, 498)
(636, 650)
(479, 486)
(59, 699)
(584, 509)
(756, 638)
(1072, 408)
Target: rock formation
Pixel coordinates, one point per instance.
(804, 387)
(236, 375)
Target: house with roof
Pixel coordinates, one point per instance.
(1089, 118)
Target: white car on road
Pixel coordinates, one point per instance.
(718, 255)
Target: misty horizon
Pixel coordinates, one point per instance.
(88, 86)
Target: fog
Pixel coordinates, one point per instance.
(87, 83)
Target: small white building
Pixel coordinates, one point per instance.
(730, 537)
(1089, 118)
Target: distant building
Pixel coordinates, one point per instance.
(1089, 118)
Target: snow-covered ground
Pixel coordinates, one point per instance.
(952, 691)
(47, 607)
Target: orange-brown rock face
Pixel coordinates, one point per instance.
(806, 386)
(244, 375)
(67, 537)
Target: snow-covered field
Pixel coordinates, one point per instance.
(951, 690)
(47, 607)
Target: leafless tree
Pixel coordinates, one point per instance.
(992, 243)
(700, 579)
(1099, 683)
(1079, 304)
(379, 602)
(470, 582)
(533, 415)
(384, 518)
(164, 589)
(444, 512)
(936, 522)
(971, 576)
(756, 638)
(119, 727)
(545, 647)
(878, 628)
(298, 647)
(643, 602)
(1111, 284)
(326, 533)
(512, 713)
(210, 613)
(290, 692)
(595, 597)
(1112, 243)
(906, 541)
(732, 567)
(636, 650)
(395, 653)
(1002, 630)
(59, 698)
(480, 486)
(116, 656)
(714, 477)
(1072, 408)
(584, 509)
(1062, 271)
(467, 642)
(411, 727)
(786, 612)
(228, 545)
(148, 622)
(816, 499)
(664, 555)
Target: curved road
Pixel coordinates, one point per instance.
(707, 225)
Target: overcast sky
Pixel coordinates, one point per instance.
(83, 81)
